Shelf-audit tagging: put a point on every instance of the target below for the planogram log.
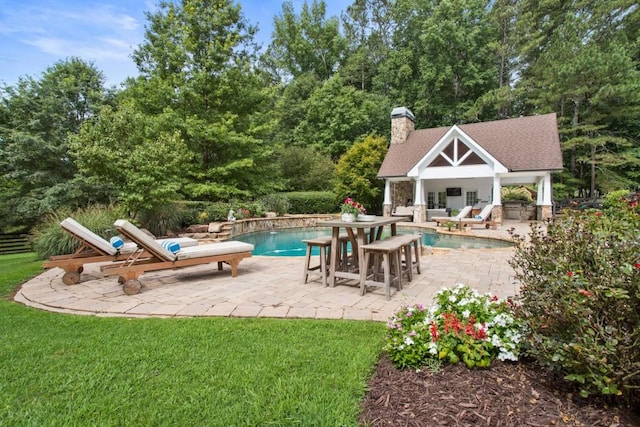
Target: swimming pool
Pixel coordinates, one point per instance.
(288, 241)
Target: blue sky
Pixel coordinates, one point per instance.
(35, 34)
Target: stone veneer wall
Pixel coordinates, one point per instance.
(401, 192)
(401, 127)
(497, 214)
(243, 226)
(420, 213)
(545, 212)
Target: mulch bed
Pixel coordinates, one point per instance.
(507, 394)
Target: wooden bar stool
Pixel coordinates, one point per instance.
(387, 256)
(322, 269)
(345, 259)
(410, 242)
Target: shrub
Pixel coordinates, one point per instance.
(202, 212)
(462, 325)
(194, 212)
(357, 170)
(305, 169)
(218, 211)
(580, 286)
(199, 212)
(278, 203)
(616, 199)
(163, 218)
(516, 194)
(312, 202)
(50, 239)
(248, 209)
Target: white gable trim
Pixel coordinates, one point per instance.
(453, 133)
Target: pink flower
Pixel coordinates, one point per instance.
(570, 273)
(391, 324)
(598, 213)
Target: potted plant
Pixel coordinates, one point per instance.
(350, 209)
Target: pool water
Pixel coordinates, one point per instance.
(288, 241)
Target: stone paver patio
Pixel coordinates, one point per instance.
(271, 287)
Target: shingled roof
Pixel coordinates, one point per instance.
(520, 144)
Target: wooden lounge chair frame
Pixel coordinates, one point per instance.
(93, 248)
(159, 258)
(484, 219)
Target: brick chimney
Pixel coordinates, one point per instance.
(402, 123)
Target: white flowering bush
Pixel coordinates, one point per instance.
(462, 325)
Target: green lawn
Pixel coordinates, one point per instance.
(82, 370)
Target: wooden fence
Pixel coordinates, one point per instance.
(14, 244)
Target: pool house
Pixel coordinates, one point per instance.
(429, 172)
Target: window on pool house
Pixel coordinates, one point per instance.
(442, 199)
(470, 198)
(431, 200)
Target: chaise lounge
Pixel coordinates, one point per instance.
(483, 218)
(94, 248)
(160, 258)
(464, 212)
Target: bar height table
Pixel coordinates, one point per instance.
(357, 239)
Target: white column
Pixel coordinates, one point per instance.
(497, 195)
(387, 192)
(417, 197)
(541, 189)
(546, 200)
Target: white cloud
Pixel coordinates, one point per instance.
(74, 31)
(37, 33)
(99, 49)
(101, 17)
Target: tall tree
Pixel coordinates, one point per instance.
(37, 118)
(305, 43)
(502, 101)
(595, 92)
(441, 60)
(133, 153)
(289, 108)
(197, 66)
(336, 115)
(368, 26)
(398, 77)
(458, 66)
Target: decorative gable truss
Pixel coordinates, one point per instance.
(456, 155)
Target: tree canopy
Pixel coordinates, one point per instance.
(212, 117)
(36, 116)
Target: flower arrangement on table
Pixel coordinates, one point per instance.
(350, 206)
(462, 325)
